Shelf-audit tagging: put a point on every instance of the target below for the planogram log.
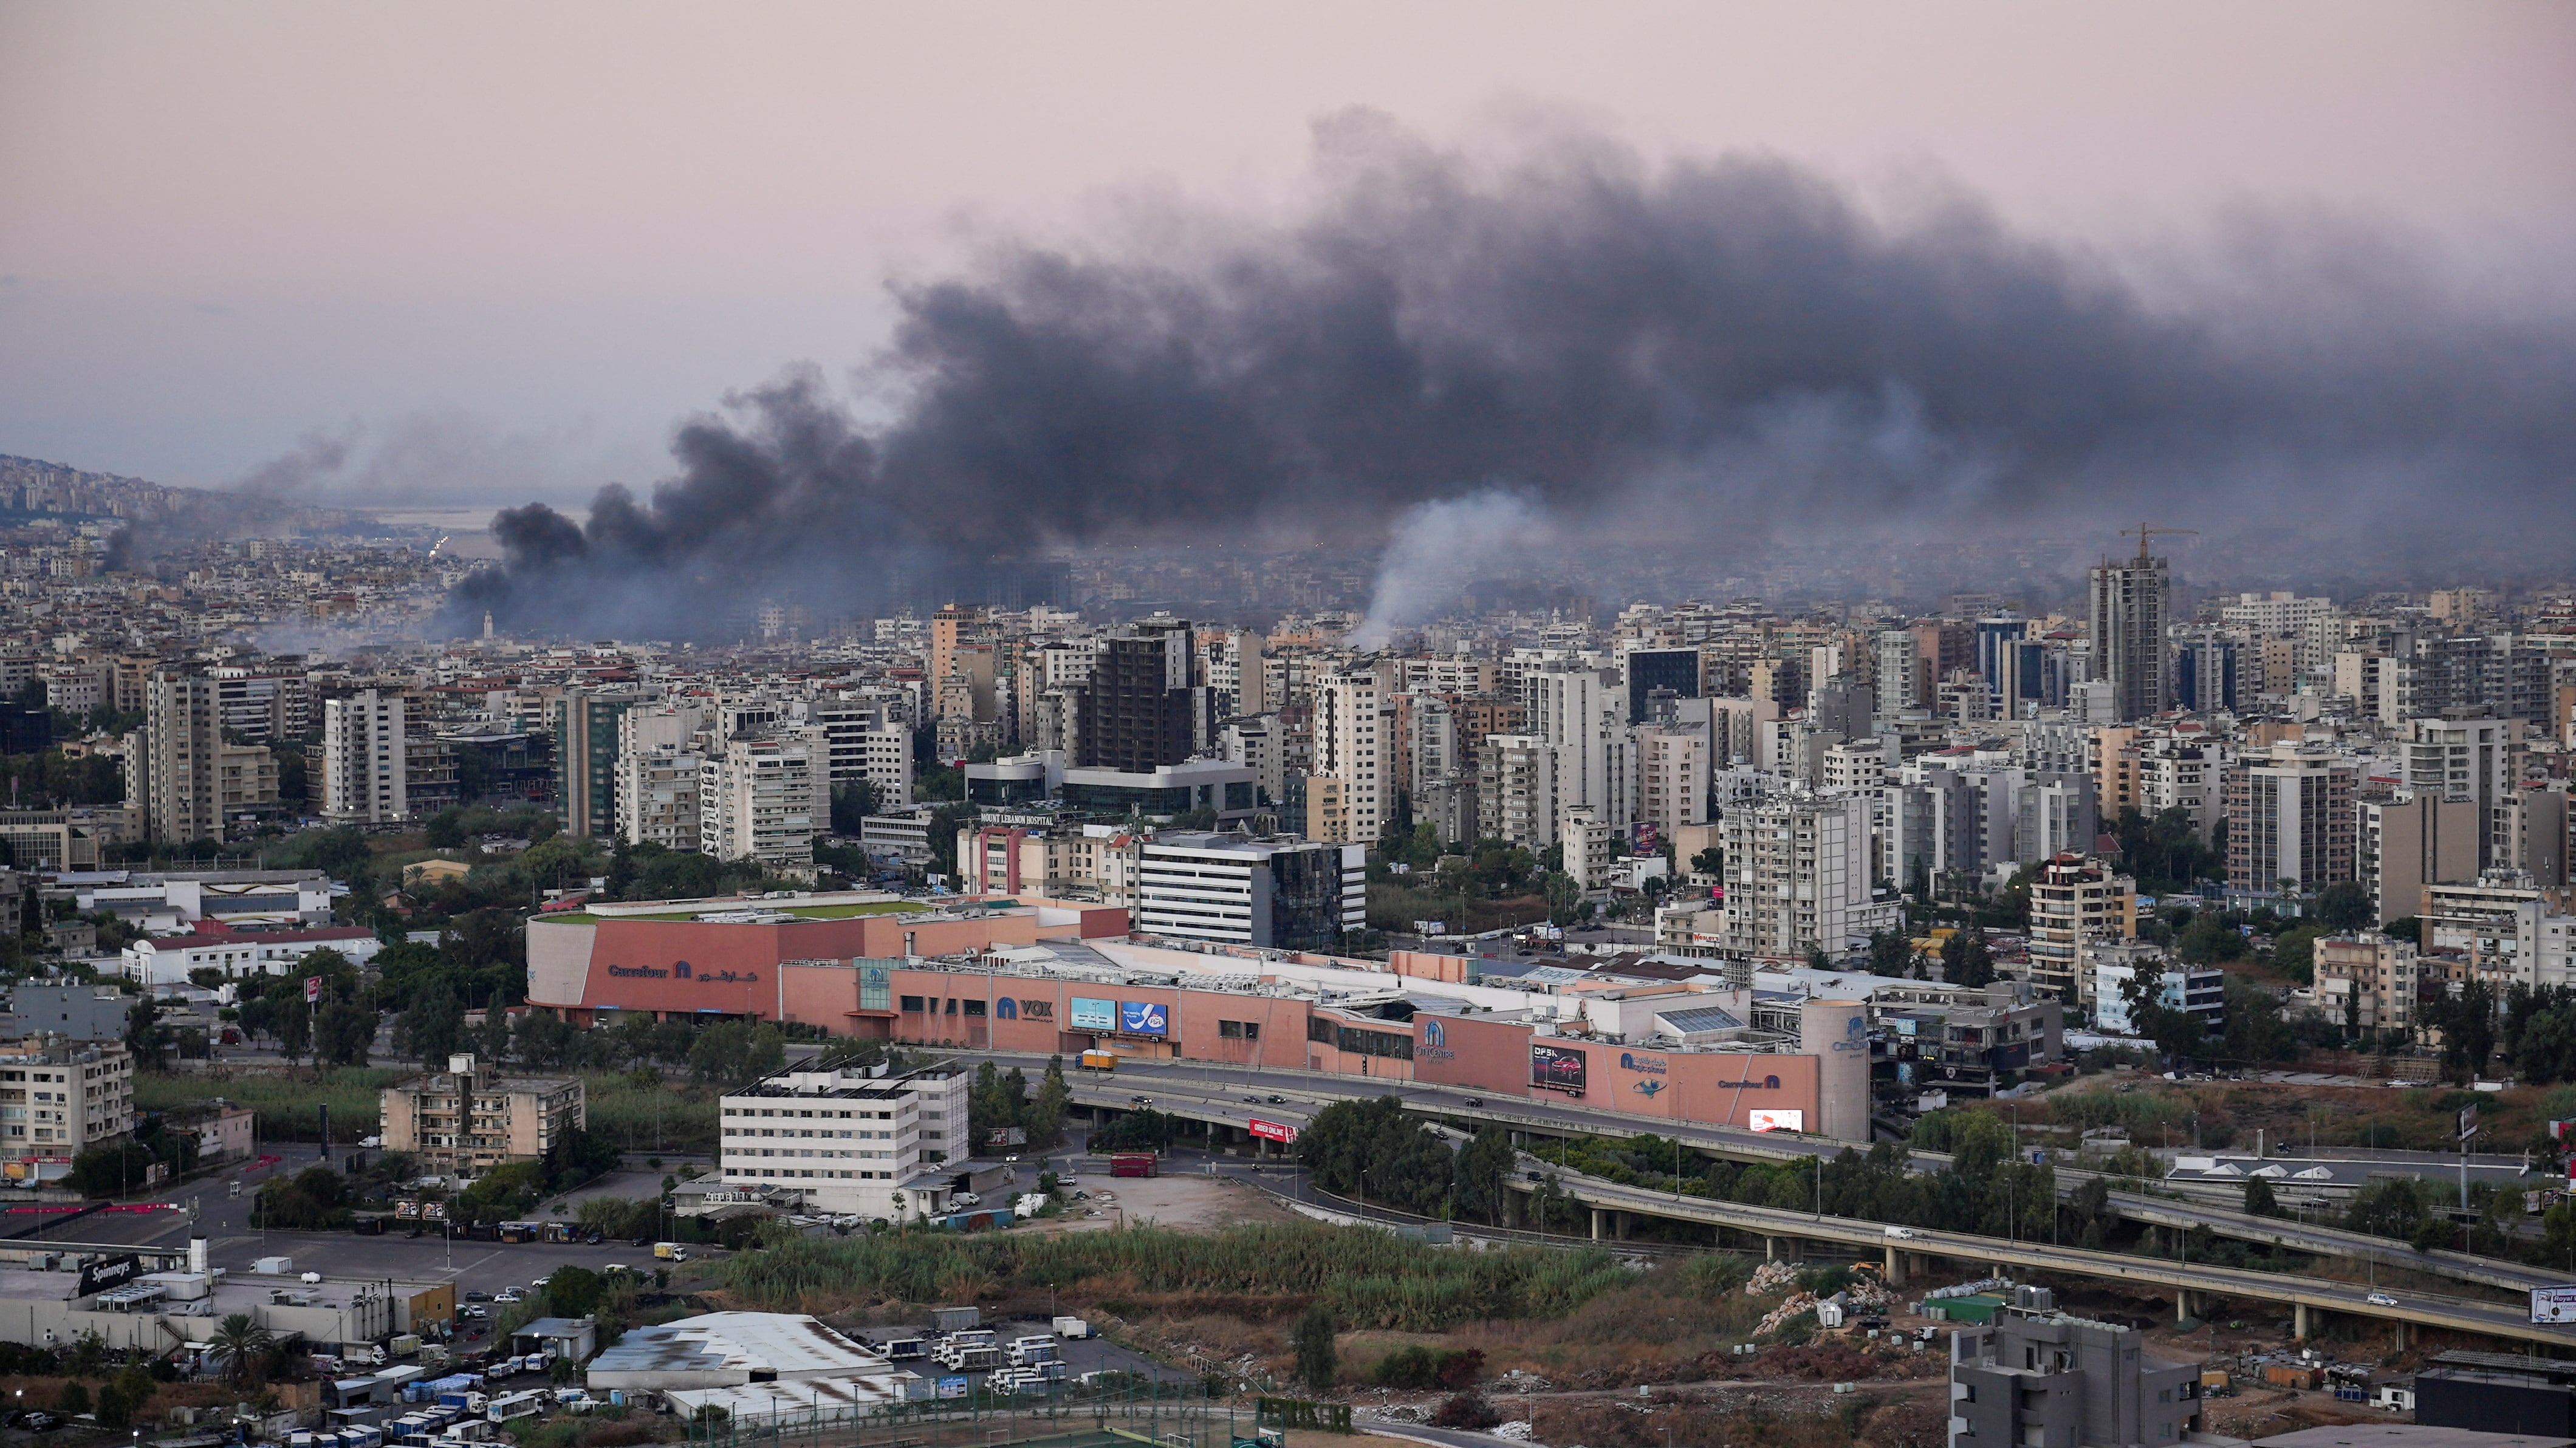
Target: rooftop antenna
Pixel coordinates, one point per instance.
(2145, 532)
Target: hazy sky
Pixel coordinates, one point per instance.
(501, 249)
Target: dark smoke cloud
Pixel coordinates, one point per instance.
(1706, 351)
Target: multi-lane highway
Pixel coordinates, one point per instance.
(1234, 1095)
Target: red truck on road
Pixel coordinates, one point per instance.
(1131, 1164)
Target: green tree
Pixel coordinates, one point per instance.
(2259, 1201)
(431, 1027)
(294, 1028)
(343, 1033)
(1890, 953)
(146, 1039)
(1312, 1341)
(1966, 959)
(2346, 905)
(1482, 1166)
(1711, 861)
(1045, 1116)
(575, 1291)
(73, 1400)
(1564, 898)
(1369, 1148)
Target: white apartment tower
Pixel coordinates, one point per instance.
(364, 779)
(1583, 714)
(846, 1142)
(657, 799)
(765, 799)
(1354, 734)
(1672, 778)
(1798, 877)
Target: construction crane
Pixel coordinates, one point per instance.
(2145, 532)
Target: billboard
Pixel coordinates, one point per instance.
(1093, 1014)
(1777, 1120)
(1272, 1130)
(2553, 1304)
(117, 1271)
(1143, 1018)
(952, 1387)
(312, 989)
(1557, 1068)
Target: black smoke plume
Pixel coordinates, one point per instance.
(1702, 352)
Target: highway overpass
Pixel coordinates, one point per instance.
(1230, 1096)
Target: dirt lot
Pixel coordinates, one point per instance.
(1170, 1201)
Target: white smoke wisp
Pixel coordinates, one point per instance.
(1438, 547)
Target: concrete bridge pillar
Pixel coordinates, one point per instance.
(2398, 1328)
(2299, 1322)
(1596, 1224)
(2182, 1304)
(1619, 1224)
(1895, 1268)
(1770, 1249)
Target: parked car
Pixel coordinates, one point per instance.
(508, 1294)
(39, 1423)
(478, 1296)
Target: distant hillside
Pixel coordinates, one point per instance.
(31, 485)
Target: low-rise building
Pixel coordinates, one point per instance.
(845, 1142)
(2049, 1380)
(2168, 983)
(59, 1098)
(163, 960)
(73, 1012)
(2369, 981)
(468, 1119)
(1288, 894)
(753, 1367)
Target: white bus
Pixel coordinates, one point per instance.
(515, 1405)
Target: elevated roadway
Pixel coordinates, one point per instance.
(1231, 1096)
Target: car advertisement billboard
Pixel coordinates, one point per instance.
(1777, 1120)
(1558, 1068)
(1272, 1130)
(1090, 1013)
(2553, 1304)
(1143, 1018)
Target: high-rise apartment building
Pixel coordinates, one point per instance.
(2289, 820)
(765, 799)
(2129, 604)
(1582, 713)
(2407, 840)
(1137, 711)
(172, 773)
(1672, 778)
(2463, 759)
(366, 763)
(1516, 794)
(2073, 901)
(584, 723)
(1798, 877)
(657, 798)
(1354, 734)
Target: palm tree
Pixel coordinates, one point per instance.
(240, 1339)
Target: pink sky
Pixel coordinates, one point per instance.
(528, 238)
